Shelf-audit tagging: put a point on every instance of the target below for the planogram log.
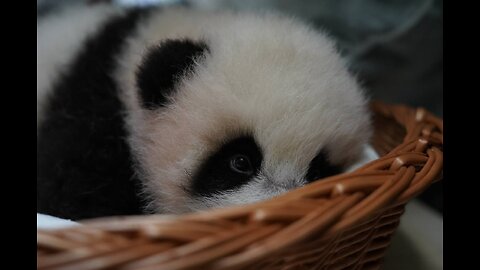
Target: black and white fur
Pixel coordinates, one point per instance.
(175, 110)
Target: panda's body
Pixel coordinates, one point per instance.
(175, 110)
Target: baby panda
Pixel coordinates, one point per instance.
(173, 110)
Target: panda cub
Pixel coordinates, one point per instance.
(173, 110)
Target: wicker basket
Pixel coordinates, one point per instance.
(343, 222)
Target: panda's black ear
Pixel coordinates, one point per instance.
(163, 66)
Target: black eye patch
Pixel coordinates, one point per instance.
(320, 167)
(231, 166)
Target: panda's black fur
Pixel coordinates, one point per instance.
(84, 167)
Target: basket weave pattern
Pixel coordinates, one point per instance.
(342, 222)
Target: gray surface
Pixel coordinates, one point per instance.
(418, 242)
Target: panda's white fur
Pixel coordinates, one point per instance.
(265, 74)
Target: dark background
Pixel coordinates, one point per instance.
(395, 46)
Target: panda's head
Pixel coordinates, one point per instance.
(243, 113)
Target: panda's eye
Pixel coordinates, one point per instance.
(233, 165)
(241, 164)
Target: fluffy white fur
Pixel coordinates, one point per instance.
(267, 75)
(59, 39)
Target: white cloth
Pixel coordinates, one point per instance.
(368, 155)
(49, 222)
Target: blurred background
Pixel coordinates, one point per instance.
(396, 49)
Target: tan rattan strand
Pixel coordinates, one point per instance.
(343, 222)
